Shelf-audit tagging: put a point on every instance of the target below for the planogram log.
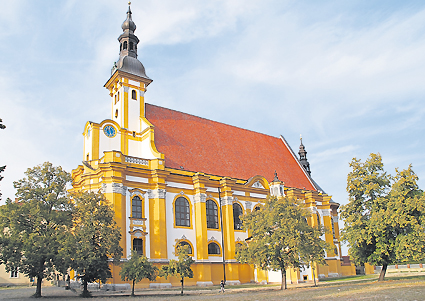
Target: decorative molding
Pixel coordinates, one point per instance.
(210, 196)
(134, 192)
(326, 212)
(156, 193)
(212, 239)
(114, 188)
(248, 205)
(181, 193)
(200, 198)
(227, 200)
(238, 239)
(258, 185)
(313, 210)
(183, 237)
(235, 199)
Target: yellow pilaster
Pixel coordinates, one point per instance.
(125, 103)
(232, 269)
(157, 217)
(95, 143)
(204, 270)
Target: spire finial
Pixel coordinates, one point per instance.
(276, 179)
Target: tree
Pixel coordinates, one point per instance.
(281, 237)
(95, 238)
(137, 269)
(36, 225)
(384, 218)
(180, 267)
(2, 168)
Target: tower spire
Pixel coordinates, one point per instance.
(128, 61)
(303, 157)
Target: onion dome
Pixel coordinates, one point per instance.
(128, 61)
(128, 24)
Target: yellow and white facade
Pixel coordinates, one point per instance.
(160, 200)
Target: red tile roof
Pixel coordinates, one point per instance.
(215, 148)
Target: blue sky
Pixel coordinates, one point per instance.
(347, 75)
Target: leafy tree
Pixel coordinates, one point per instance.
(95, 238)
(180, 267)
(281, 237)
(2, 168)
(137, 269)
(384, 218)
(36, 225)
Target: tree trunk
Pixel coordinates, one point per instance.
(283, 284)
(132, 290)
(383, 271)
(181, 293)
(38, 289)
(314, 276)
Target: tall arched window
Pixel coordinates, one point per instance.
(237, 212)
(138, 245)
(133, 94)
(136, 207)
(212, 214)
(124, 45)
(213, 249)
(182, 212)
(185, 243)
(131, 45)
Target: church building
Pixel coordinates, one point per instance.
(174, 178)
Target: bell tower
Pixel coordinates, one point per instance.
(128, 81)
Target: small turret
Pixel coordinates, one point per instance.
(303, 157)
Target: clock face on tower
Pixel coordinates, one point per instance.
(109, 131)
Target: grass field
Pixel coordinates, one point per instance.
(397, 287)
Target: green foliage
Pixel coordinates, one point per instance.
(180, 267)
(36, 225)
(384, 218)
(95, 238)
(137, 269)
(281, 237)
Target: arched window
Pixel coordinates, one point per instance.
(116, 113)
(138, 245)
(120, 46)
(213, 249)
(185, 243)
(237, 212)
(212, 214)
(257, 208)
(136, 207)
(133, 94)
(125, 45)
(131, 45)
(182, 212)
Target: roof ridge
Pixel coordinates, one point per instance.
(213, 120)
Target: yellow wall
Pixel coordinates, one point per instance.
(6, 280)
